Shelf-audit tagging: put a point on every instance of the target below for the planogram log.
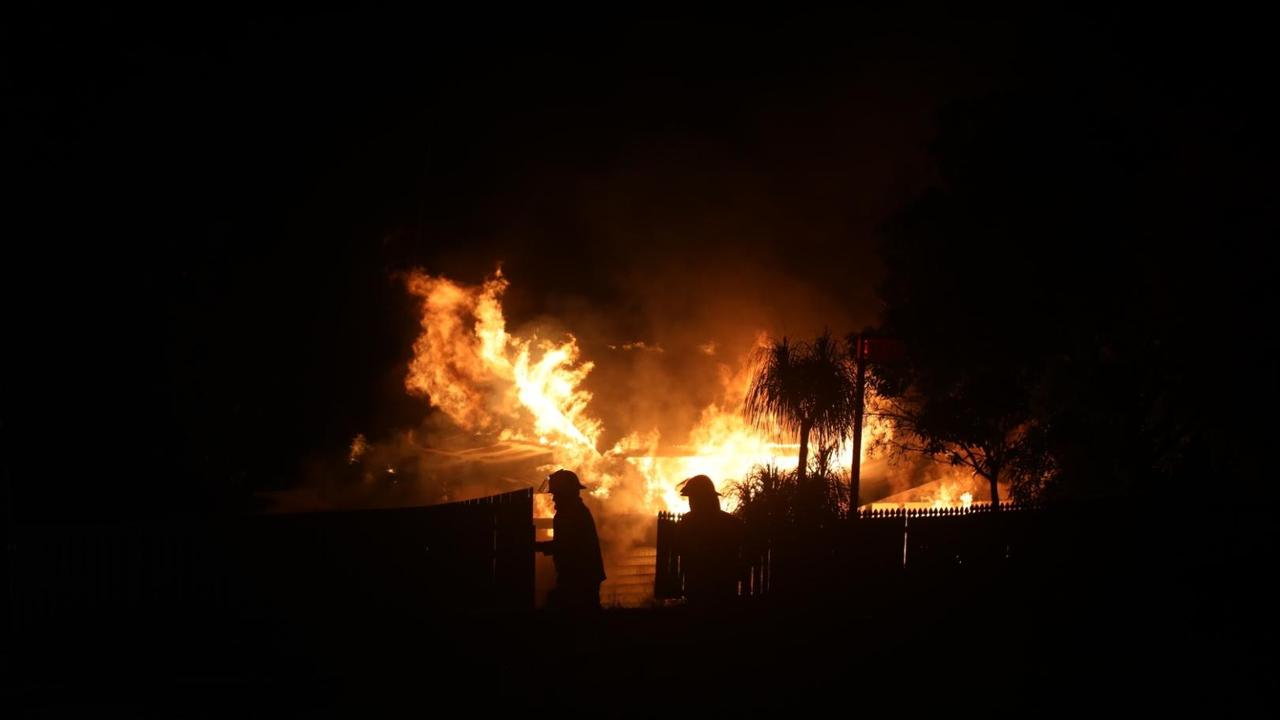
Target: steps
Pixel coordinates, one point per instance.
(630, 581)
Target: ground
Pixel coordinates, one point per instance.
(642, 662)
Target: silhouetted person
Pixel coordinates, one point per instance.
(574, 546)
(709, 541)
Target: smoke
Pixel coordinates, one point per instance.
(431, 463)
(666, 264)
(505, 404)
(884, 476)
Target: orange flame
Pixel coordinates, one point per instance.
(487, 380)
(530, 390)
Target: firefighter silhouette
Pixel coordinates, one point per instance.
(709, 542)
(574, 546)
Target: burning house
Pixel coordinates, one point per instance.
(507, 406)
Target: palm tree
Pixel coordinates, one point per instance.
(805, 388)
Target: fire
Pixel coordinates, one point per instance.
(956, 487)
(483, 378)
(948, 496)
(488, 380)
(722, 446)
(359, 446)
(530, 389)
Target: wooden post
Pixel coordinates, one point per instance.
(860, 383)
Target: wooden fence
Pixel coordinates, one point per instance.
(668, 579)
(321, 567)
(877, 543)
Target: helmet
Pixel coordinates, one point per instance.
(698, 485)
(563, 481)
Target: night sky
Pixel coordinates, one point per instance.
(201, 291)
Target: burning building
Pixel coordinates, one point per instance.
(508, 406)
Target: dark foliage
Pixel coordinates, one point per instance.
(771, 499)
(1082, 309)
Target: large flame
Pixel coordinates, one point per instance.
(481, 377)
(529, 389)
(487, 380)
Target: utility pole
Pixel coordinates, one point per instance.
(860, 386)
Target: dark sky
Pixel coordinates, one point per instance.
(214, 208)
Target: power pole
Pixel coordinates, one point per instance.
(860, 385)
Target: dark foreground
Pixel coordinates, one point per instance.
(985, 646)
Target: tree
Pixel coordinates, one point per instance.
(963, 424)
(1054, 321)
(995, 274)
(803, 388)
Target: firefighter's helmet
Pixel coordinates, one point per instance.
(698, 485)
(563, 481)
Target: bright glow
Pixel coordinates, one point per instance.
(529, 389)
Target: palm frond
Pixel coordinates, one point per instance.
(803, 384)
